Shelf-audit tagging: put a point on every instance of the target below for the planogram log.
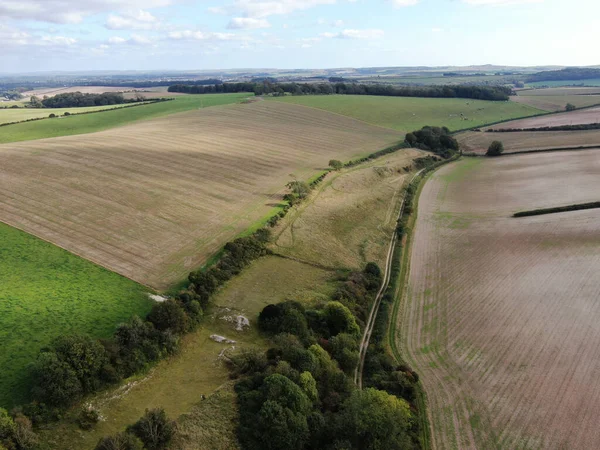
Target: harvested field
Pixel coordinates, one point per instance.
(51, 92)
(348, 221)
(560, 91)
(19, 114)
(557, 102)
(411, 113)
(154, 200)
(501, 314)
(590, 115)
(478, 142)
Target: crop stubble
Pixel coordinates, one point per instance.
(153, 200)
(501, 319)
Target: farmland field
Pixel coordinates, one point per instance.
(559, 83)
(89, 123)
(559, 91)
(46, 292)
(19, 114)
(348, 221)
(501, 314)
(154, 200)
(583, 116)
(407, 113)
(478, 142)
(556, 102)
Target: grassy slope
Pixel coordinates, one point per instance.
(177, 383)
(407, 113)
(18, 114)
(90, 123)
(47, 291)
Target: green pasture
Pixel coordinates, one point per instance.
(89, 123)
(411, 113)
(47, 291)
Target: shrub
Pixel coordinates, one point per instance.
(495, 149)
(119, 441)
(88, 417)
(154, 429)
(570, 107)
(52, 116)
(335, 164)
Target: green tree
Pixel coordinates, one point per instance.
(340, 319)
(7, 425)
(375, 420)
(335, 164)
(495, 149)
(309, 386)
(169, 315)
(570, 107)
(119, 441)
(154, 429)
(55, 381)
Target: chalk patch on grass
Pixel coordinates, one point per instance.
(221, 339)
(157, 298)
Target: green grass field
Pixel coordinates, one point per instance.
(408, 113)
(19, 114)
(89, 123)
(47, 291)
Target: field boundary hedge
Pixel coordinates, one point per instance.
(82, 113)
(579, 127)
(557, 209)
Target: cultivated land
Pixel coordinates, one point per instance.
(19, 114)
(154, 200)
(408, 113)
(590, 115)
(348, 221)
(566, 83)
(178, 383)
(556, 102)
(47, 292)
(501, 314)
(51, 92)
(478, 142)
(89, 123)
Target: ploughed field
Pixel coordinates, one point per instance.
(153, 200)
(501, 315)
(583, 116)
(478, 142)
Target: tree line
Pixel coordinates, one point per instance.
(77, 100)
(495, 93)
(569, 73)
(578, 127)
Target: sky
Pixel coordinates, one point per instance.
(85, 35)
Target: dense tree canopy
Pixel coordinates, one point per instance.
(77, 99)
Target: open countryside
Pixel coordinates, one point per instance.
(488, 349)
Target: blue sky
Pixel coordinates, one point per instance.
(40, 35)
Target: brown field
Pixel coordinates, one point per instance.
(501, 314)
(129, 92)
(478, 142)
(591, 115)
(348, 221)
(154, 200)
(560, 91)
(557, 102)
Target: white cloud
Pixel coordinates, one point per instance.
(69, 11)
(132, 20)
(355, 34)
(260, 8)
(338, 23)
(437, 30)
(499, 2)
(402, 3)
(135, 39)
(200, 35)
(247, 23)
(57, 40)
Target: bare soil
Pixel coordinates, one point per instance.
(590, 115)
(154, 200)
(478, 142)
(501, 317)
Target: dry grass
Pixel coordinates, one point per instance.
(19, 114)
(501, 315)
(590, 115)
(154, 200)
(51, 92)
(478, 142)
(348, 221)
(557, 102)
